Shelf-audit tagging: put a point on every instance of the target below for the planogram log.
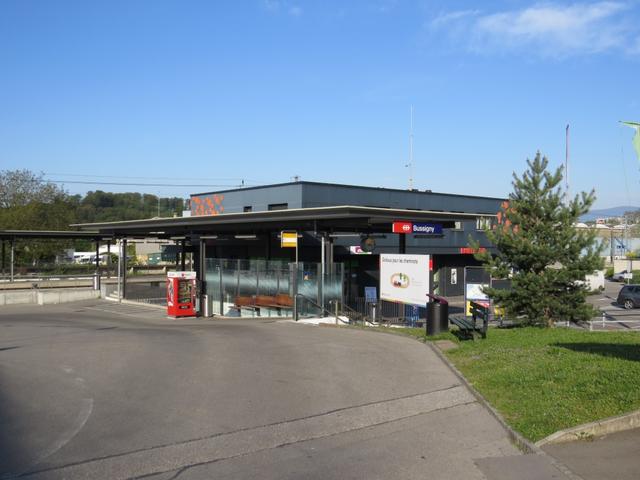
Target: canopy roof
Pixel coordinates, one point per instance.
(344, 218)
(53, 234)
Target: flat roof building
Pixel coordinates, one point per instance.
(334, 222)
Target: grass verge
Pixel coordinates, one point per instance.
(545, 380)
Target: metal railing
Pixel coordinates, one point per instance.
(299, 298)
(51, 281)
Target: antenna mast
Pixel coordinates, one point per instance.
(566, 166)
(410, 165)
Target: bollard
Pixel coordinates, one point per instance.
(590, 326)
(603, 319)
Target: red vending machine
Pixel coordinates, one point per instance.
(181, 294)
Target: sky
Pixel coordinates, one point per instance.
(178, 97)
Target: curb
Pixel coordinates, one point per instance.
(522, 443)
(619, 423)
(133, 302)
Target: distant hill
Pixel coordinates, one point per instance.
(607, 212)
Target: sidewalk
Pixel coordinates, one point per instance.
(615, 456)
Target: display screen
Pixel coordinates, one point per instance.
(184, 291)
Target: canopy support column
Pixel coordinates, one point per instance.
(183, 255)
(96, 284)
(13, 256)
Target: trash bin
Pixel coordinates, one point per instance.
(207, 306)
(437, 315)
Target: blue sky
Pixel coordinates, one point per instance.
(208, 93)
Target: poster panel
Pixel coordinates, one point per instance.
(404, 278)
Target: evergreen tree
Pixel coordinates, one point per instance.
(541, 251)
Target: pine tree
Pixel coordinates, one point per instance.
(541, 251)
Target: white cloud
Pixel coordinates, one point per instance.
(271, 5)
(275, 6)
(449, 17)
(556, 30)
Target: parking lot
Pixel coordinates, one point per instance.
(615, 316)
(102, 390)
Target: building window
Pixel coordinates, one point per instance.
(278, 206)
(247, 209)
(457, 225)
(482, 223)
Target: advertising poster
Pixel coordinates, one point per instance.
(404, 278)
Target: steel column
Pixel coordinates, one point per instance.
(323, 251)
(13, 256)
(202, 273)
(124, 268)
(183, 257)
(119, 244)
(109, 259)
(97, 283)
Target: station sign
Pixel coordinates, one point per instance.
(289, 240)
(420, 228)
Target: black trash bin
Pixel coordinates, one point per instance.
(437, 315)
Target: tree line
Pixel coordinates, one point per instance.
(29, 202)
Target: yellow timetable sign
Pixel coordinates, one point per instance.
(289, 239)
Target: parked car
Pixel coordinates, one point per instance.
(619, 277)
(629, 296)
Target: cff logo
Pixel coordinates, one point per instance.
(402, 227)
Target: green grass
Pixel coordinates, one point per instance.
(544, 380)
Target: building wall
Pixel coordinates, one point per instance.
(309, 194)
(318, 195)
(235, 201)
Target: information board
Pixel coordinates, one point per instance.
(404, 278)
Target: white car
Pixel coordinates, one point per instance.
(620, 276)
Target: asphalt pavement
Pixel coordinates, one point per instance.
(102, 390)
(615, 456)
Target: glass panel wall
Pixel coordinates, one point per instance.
(268, 288)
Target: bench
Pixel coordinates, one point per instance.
(469, 328)
(255, 302)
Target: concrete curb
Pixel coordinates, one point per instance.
(133, 302)
(522, 443)
(51, 296)
(605, 426)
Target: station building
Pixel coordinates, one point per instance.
(336, 224)
(449, 250)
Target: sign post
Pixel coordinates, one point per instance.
(289, 240)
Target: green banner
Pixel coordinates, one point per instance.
(636, 137)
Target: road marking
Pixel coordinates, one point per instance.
(247, 441)
(129, 311)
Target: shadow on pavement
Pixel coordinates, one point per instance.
(13, 457)
(624, 351)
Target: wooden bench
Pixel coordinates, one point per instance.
(469, 328)
(255, 302)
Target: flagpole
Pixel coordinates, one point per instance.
(566, 167)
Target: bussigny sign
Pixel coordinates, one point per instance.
(421, 228)
(404, 278)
